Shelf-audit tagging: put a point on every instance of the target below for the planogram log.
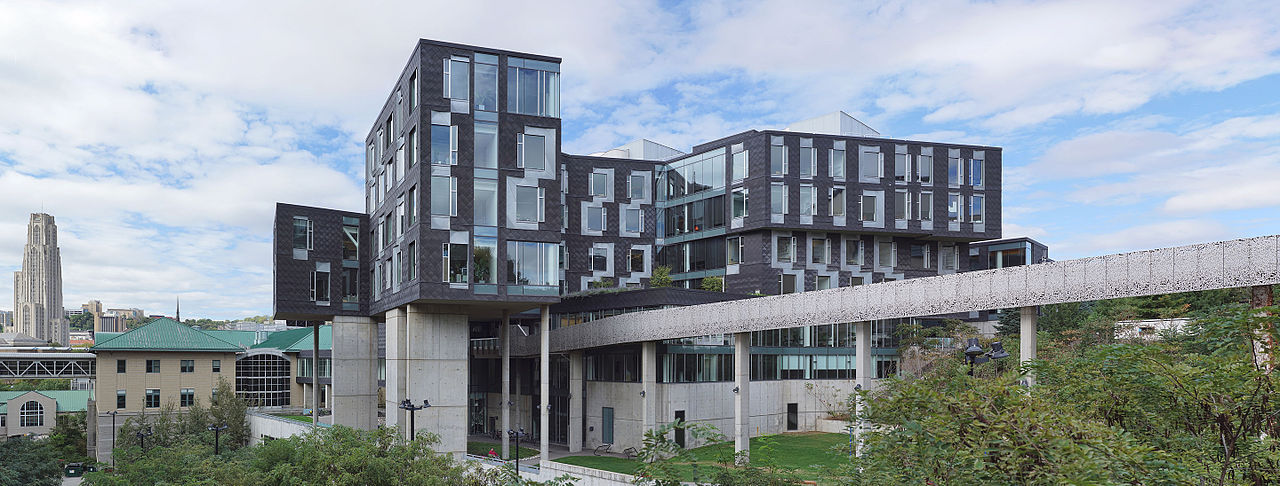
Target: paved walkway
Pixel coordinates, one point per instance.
(557, 451)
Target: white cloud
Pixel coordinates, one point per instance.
(1153, 235)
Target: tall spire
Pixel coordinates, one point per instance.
(177, 309)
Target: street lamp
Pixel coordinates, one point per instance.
(517, 436)
(973, 354)
(113, 437)
(142, 438)
(408, 405)
(217, 429)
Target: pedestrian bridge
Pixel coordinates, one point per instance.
(37, 365)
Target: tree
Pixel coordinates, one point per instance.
(82, 322)
(661, 277)
(714, 284)
(67, 439)
(28, 462)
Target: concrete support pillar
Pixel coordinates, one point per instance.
(864, 372)
(544, 384)
(648, 386)
(1027, 339)
(437, 344)
(742, 399)
(397, 370)
(355, 373)
(575, 401)
(504, 341)
(315, 353)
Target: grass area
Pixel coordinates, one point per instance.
(482, 449)
(300, 418)
(807, 453)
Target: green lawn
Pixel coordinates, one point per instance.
(482, 449)
(300, 418)
(807, 453)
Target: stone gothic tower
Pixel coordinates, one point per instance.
(37, 289)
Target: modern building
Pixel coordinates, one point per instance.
(480, 237)
(37, 288)
(36, 412)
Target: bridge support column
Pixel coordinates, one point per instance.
(397, 350)
(864, 370)
(1027, 339)
(427, 349)
(575, 401)
(504, 341)
(544, 385)
(742, 398)
(648, 387)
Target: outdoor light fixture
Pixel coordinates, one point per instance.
(973, 354)
(517, 436)
(641, 393)
(142, 438)
(409, 406)
(216, 430)
(735, 389)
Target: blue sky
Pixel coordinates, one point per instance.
(161, 134)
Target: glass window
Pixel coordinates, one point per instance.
(924, 168)
(837, 163)
(636, 260)
(120, 399)
(455, 258)
(444, 196)
(733, 245)
(486, 145)
(808, 200)
(778, 198)
(530, 263)
(411, 150)
(633, 220)
(924, 207)
(818, 250)
(836, 205)
(187, 366)
(976, 209)
(777, 157)
(599, 259)
(823, 282)
(853, 252)
(153, 398)
(900, 205)
(120, 366)
(900, 167)
(953, 208)
(918, 256)
(529, 202)
(31, 414)
(303, 233)
(486, 86)
(187, 397)
(975, 172)
(457, 79)
(739, 203)
(595, 218)
(949, 257)
(217, 366)
(484, 259)
(412, 274)
(533, 87)
(637, 183)
(808, 161)
(532, 152)
(739, 165)
(600, 184)
(413, 91)
(954, 175)
(153, 366)
(886, 254)
(486, 202)
(868, 207)
(870, 165)
(785, 253)
(442, 142)
(787, 283)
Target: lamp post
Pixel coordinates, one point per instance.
(113, 437)
(142, 438)
(517, 436)
(217, 429)
(973, 354)
(408, 405)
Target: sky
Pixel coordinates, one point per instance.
(161, 134)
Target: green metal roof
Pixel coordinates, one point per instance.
(297, 339)
(68, 400)
(243, 339)
(168, 335)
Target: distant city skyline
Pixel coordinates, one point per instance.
(162, 146)
(37, 287)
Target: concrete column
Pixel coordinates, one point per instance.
(504, 341)
(575, 401)
(544, 385)
(1027, 339)
(315, 393)
(397, 373)
(648, 386)
(355, 373)
(742, 399)
(437, 344)
(865, 371)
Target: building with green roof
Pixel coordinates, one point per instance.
(36, 412)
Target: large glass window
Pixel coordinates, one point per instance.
(600, 184)
(837, 202)
(444, 196)
(900, 205)
(303, 233)
(31, 414)
(976, 208)
(350, 285)
(975, 172)
(787, 283)
(739, 203)
(733, 245)
(153, 398)
(532, 152)
(887, 254)
(698, 215)
(870, 164)
(599, 259)
(457, 78)
(692, 175)
(484, 260)
(778, 198)
(637, 183)
(264, 380)
(486, 82)
(808, 159)
(121, 401)
(777, 157)
(320, 287)
(486, 202)
(412, 264)
(153, 366)
(853, 252)
(953, 208)
(818, 252)
(785, 246)
(636, 260)
(924, 168)
(486, 145)
(444, 139)
(529, 204)
(411, 149)
(532, 263)
(837, 163)
(868, 207)
(924, 207)
(187, 397)
(454, 262)
(954, 175)
(187, 366)
(739, 165)
(633, 220)
(808, 200)
(595, 218)
(948, 257)
(900, 167)
(533, 87)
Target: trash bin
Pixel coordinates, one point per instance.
(73, 470)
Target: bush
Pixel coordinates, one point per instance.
(661, 277)
(714, 284)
